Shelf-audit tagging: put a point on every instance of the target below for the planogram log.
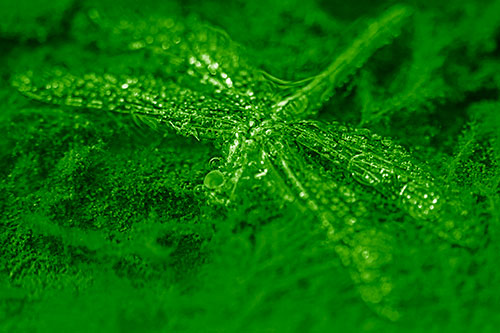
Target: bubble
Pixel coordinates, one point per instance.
(214, 179)
(215, 161)
(350, 220)
(261, 174)
(387, 142)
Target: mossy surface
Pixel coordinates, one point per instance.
(105, 221)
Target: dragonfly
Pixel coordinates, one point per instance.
(267, 132)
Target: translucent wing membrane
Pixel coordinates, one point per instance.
(370, 159)
(202, 56)
(303, 99)
(387, 167)
(187, 111)
(365, 250)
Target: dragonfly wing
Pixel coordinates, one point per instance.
(303, 99)
(188, 112)
(364, 248)
(202, 56)
(387, 167)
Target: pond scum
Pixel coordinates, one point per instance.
(267, 166)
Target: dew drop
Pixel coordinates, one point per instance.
(261, 174)
(215, 161)
(387, 142)
(214, 179)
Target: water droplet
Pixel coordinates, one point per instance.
(387, 142)
(261, 174)
(351, 220)
(215, 161)
(214, 179)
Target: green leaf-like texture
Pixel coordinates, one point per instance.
(252, 166)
